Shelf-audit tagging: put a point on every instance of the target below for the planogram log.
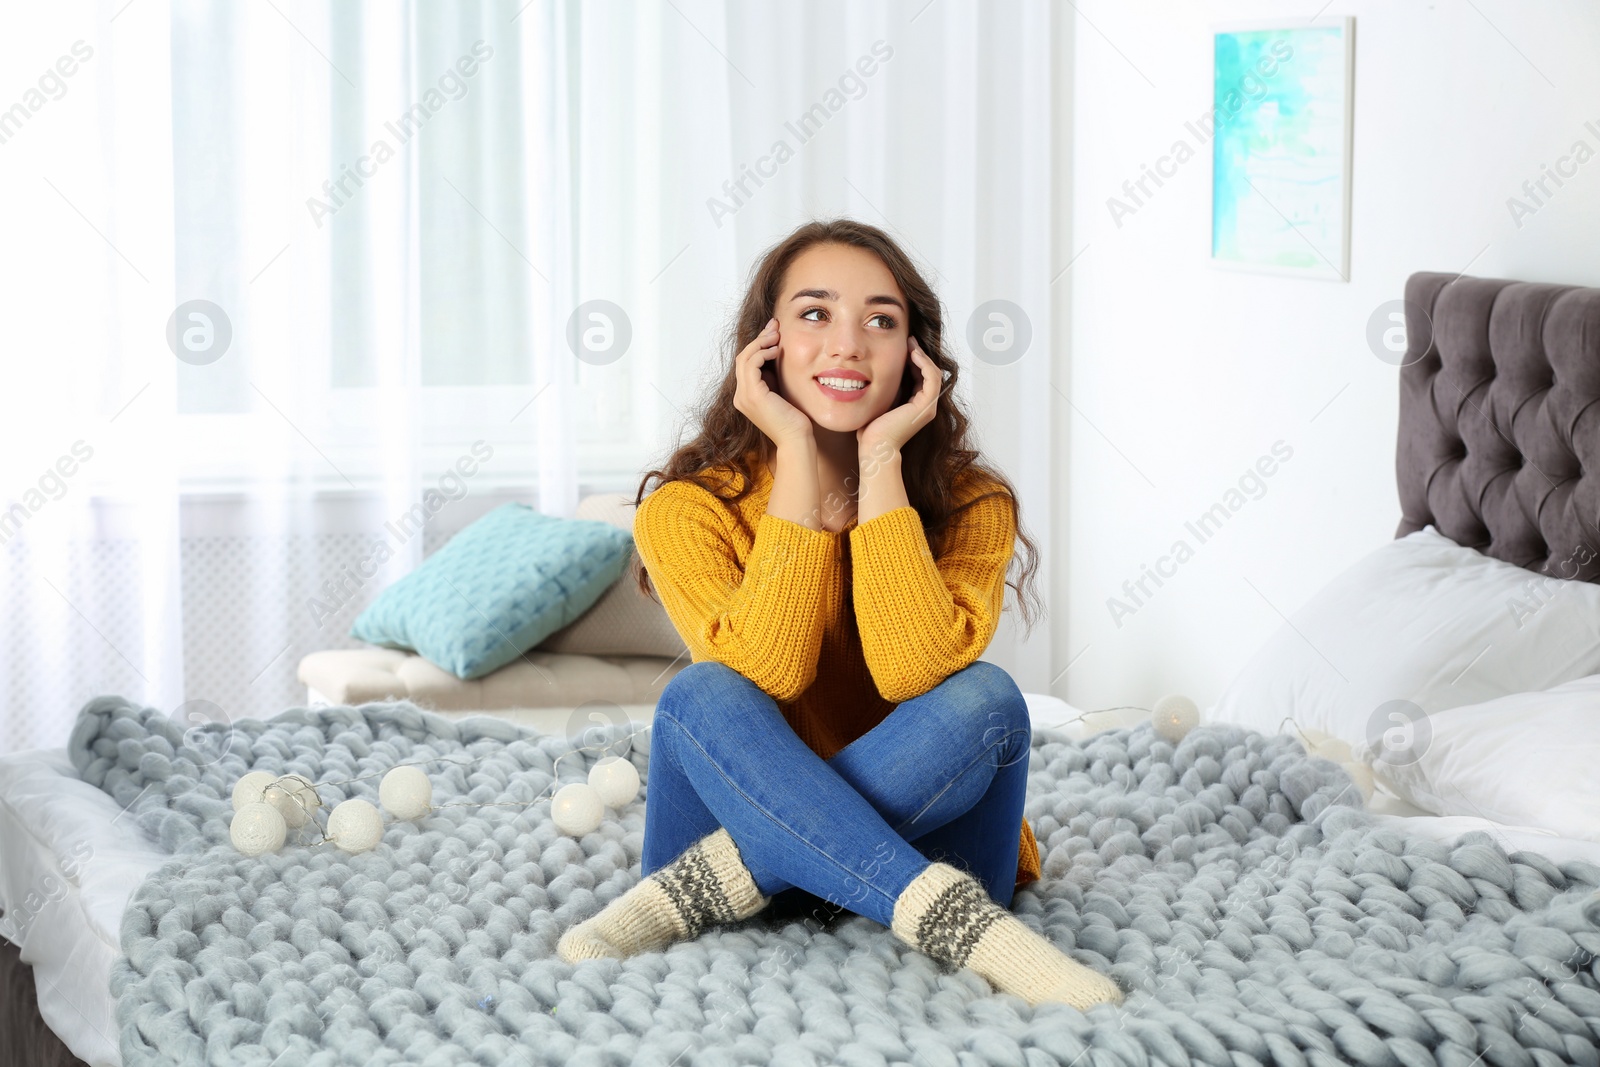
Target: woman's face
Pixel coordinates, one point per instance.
(840, 312)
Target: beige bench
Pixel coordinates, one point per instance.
(608, 665)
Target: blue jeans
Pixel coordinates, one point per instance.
(947, 770)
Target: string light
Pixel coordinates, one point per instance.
(267, 806)
(1101, 711)
(1173, 716)
(295, 798)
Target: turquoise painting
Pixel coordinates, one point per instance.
(1280, 156)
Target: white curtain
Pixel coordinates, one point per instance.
(397, 214)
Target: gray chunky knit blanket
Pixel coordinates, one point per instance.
(1230, 883)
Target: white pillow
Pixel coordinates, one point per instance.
(1527, 759)
(1420, 620)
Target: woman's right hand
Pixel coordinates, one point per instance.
(756, 393)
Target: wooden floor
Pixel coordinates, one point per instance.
(25, 1041)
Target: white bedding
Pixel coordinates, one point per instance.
(68, 844)
(69, 860)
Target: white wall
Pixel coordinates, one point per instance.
(1182, 375)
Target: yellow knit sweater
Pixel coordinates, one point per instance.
(837, 653)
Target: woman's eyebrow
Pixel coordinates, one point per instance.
(829, 294)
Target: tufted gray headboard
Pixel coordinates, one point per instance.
(1499, 442)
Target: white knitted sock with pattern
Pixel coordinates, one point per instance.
(947, 914)
(707, 884)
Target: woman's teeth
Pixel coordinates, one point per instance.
(842, 383)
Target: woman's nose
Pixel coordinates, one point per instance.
(845, 341)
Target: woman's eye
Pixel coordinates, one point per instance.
(888, 320)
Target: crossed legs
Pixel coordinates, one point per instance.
(946, 770)
(739, 808)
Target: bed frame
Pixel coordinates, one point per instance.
(24, 1037)
(1499, 420)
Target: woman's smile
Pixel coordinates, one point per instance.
(842, 386)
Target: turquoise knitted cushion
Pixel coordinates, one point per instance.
(497, 588)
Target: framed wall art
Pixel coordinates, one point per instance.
(1282, 127)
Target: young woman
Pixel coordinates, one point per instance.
(835, 558)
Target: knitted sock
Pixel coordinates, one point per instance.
(947, 914)
(707, 884)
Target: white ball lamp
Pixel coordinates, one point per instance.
(616, 780)
(355, 826)
(257, 827)
(577, 808)
(250, 788)
(1174, 716)
(406, 793)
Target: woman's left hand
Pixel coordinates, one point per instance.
(890, 431)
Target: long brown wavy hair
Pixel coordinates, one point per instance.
(932, 461)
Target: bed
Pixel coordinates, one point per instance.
(1254, 906)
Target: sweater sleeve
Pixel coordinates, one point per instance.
(922, 619)
(763, 618)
